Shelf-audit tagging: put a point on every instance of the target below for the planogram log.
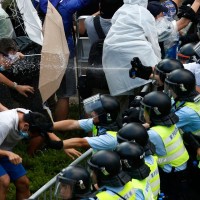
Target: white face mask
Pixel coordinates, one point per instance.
(2, 68)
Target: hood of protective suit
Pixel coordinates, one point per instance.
(138, 2)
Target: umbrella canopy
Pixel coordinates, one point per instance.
(55, 54)
(32, 22)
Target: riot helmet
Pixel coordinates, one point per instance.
(164, 67)
(73, 182)
(181, 84)
(135, 132)
(132, 158)
(186, 52)
(105, 107)
(157, 106)
(105, 163)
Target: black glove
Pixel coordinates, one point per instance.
(187, 12)
(130, 115)
(136, 102)
(139, 70)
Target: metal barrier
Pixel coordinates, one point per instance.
(46, 192)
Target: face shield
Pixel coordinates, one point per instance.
(168, 87)
(65, 188)
(93, 104)
(144, 112)
(159, 77)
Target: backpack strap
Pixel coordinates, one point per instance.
(98, 28)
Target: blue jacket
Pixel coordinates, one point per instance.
(66, 8)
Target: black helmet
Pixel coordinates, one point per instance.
(106, 106)
(182, 82)
(167, 65)
(105, 163)
(187, 51)
(109, 7)
(158, 104)
(133, 132)
(137, 133)
(73, 182)
(132, 157)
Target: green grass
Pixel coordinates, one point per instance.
(47, 162)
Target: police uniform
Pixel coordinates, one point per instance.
(102, 139)
(154, 177)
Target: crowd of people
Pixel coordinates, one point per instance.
(146, 145)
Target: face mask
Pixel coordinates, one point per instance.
(13, 57)
(2, 68)
(23, 134)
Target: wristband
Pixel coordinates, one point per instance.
(15, 85)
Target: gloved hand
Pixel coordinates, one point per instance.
(130, 115)
(186, 12)
(136, 102)
(139, 70)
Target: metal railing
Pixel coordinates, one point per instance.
(46, 192)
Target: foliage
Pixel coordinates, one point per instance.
(46, 163)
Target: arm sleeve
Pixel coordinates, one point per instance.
(86, 124)
(157, 141)
(102, 142)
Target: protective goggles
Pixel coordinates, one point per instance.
(92, 104)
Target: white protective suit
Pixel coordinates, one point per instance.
(132, 34)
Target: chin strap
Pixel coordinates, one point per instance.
(168, 120)
(140, 173)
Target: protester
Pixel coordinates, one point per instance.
(9, 55)
(67, 87)
(16, 124)
(132, 34)
(168, 31)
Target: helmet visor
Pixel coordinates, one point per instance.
(64, 188)
(144, 110)
(92, 104)
(159, 77)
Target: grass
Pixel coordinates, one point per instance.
(47, 162)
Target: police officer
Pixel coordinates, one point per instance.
(113, 183)
(135, 132)
(171, 152)
(132, 158)
(103, 111)
(181, 84)
(73, 183)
